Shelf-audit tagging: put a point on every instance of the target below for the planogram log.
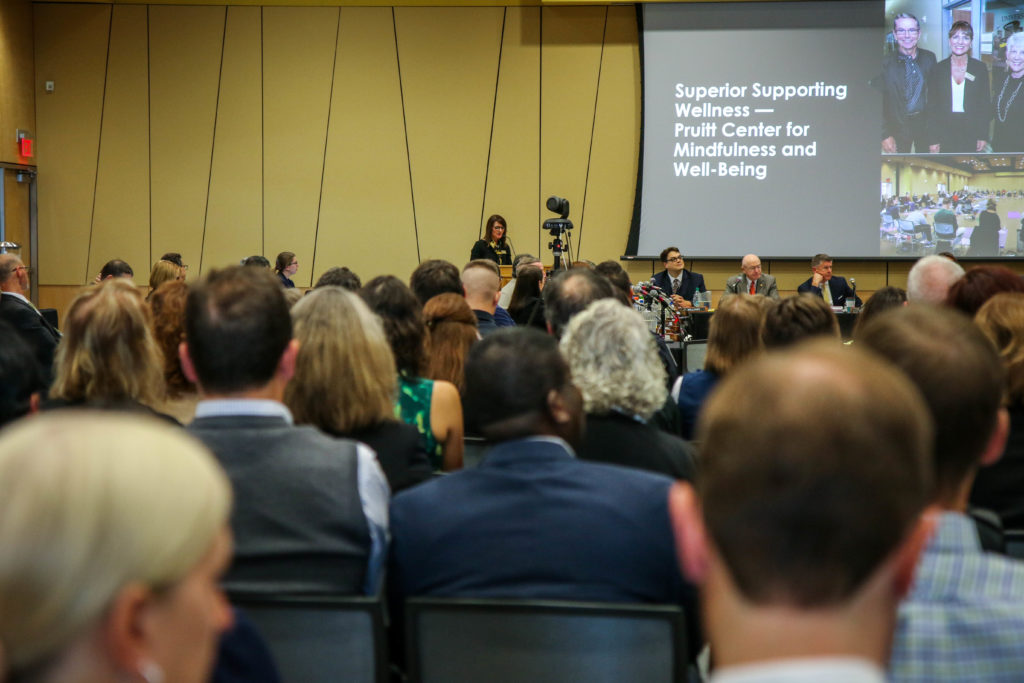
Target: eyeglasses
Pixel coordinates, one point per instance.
(27, 269)
(674, 259)
(907, 31)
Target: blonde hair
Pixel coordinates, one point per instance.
(163, 271)
(1001, 319)
(92, 502)
(108, 351)
(345, 378)
(614, 361)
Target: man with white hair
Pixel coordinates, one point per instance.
(752, 280)
(930, 279)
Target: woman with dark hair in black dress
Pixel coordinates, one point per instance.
(494, 246)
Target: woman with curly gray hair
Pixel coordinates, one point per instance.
(615, 365)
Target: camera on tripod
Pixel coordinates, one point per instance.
(556, 226)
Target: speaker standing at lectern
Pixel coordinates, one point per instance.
(495, 246)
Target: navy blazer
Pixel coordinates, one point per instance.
(837, 286)
(688, 283)
(534, 522)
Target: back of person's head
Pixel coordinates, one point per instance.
(784, 498)
(734, 333)
(116, 268)
(168, 306)
(1001, 319)
(237, 328)
(614, 360)
(402, 315)
(517, 385)
(958, 372)
(108, 353)
(433, 277)
(451, 331)
(882, 300)
(163, 271)
(174, 257)
(930, 279)
(523, 260)
(569, 292)
(527, 289)
(798, 318)
(20, 376)
(481, 279)
(103, 510)
(256, 260)
(292, 296)
(345, 377)
(339, 276)
(283, 260)
(979, 284)
(618, 278)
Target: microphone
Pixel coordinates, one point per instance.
(506, 239)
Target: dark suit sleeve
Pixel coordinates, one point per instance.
(37, 335)
(807, 288)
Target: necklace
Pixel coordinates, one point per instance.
(1002, 111)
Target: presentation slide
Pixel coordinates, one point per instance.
(761, 129)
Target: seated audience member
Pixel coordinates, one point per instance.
(109, 358)
(533, 521)
(113, 269)
(882, 300)
(963, 617)
(482, 281)
(21, 382)
(433, 277)
(569, 292)
(451, 331)
(733, 336)
(676, 281)
(175, 258)
(981, 283)
(615, 365)
(292, 296)
(339, 276)
(286, 265)
(19, 313)
(945, 215)
(115, 530)
(823, 284)
(345, 382)
(800, 578)
(432, 406)
(930, 278)
(163, 271)
(1000, 487)
(168, 324)
(520, 261)
(797, 318)
(619, 279)
(527, 307)
(311, 510)
(256, 260)
(752, 280)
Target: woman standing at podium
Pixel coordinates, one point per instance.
(495, 245)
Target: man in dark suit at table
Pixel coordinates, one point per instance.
(676, 281)
(752, 280)
(17, 310)
(532, 521)
(834, 289)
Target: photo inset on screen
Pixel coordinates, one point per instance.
(964, 205)
(952, 77)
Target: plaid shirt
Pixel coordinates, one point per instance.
(964, 617)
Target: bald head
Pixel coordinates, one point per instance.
(482, 284)
(13, 276)
(751, 266)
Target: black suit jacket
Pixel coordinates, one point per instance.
(837, 286)
(958, 132)
(398, 450)
(619, 440)
(34, 329)
(688, 283)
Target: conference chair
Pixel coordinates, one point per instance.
(466, 640)
(474, 449)
(944, 233)
(1014, 541)
(908, 233)
(322, 639)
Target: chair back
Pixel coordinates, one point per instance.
(944, 230)
(322, 639)
(1014, 541)
(474, 448)
(459, 640)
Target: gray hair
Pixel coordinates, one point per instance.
(930, 279)
(522, 260)
(614, 361)
(1015, 40)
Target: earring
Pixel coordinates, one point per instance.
(151, 672)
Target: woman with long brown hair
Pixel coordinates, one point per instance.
(451, 331)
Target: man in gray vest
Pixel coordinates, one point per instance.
(310, 511)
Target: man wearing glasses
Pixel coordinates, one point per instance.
(676, 281)
(904, 75)
(16, 309)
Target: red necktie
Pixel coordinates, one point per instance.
(753, 286)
